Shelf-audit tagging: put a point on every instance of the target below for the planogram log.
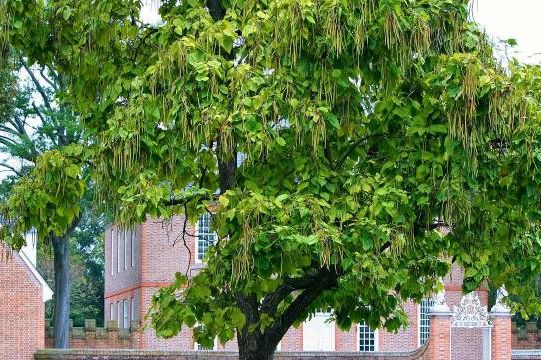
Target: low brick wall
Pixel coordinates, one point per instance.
(526, 337)
(120, 354)
(92, 337)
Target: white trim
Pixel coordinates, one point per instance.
(125, 250)
(196, 241)
(132, 311)
(118, 252)
(111, 311)
(47, 291)
(419, 320)
(196, 238)
(376, 339)
(125, 321)
(131, 247)
(118, 313)
(112, 251)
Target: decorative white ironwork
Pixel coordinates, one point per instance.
(499, 307)
(470, 313)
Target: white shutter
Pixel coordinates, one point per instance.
(318, 334)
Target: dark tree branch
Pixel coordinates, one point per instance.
(38, 113)
(271, 301)
(47, 80)
(352, 145)
(39, 88)
(11, 168)
(327, 279)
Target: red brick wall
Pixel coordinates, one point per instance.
(526, 338)
(22, 312)
(346, 340)
(406, 339)
(292, 340)
(163, 249)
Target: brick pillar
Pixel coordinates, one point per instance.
(501, 328)
(439, 346)
(501, 337)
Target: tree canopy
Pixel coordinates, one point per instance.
(34, 121)
(366, 126)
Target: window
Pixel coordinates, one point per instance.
(205, 236)
(367, 338)
(131, 247)
(111, 311)
(125, 234)
(125, 325)
(118, 312)
(132, 310)
(112, 251)
(319, 333)
(118, 252)
(424, 320)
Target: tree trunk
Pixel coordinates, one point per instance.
(253, 347)
(61, 250)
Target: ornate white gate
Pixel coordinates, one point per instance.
(470, 330)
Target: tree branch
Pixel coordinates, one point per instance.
(39, 88)
(47, 80)
(327, 278)
(271, 301)
(11, 168)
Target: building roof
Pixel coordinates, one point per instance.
(47, 291)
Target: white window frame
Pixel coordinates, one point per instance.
(118, 252)
(125, 250)
(376, 338)
(118, 312)
(132, 311)
(419, 325)
(131, 247)
(197, 232)
(112, 251)
(111, 311)
(319, 314)
(125, 323)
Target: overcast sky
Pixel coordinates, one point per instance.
(517, 19)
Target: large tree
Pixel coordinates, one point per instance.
(366, 125)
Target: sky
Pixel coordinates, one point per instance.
(517, 19)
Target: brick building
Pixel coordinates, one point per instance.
(138, 261)
(22, 295)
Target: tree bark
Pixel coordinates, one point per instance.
(61, 251)
(252, 348)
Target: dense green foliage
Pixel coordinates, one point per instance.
(32, 122)
(366, 125)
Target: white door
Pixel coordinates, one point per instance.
(318, 333)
